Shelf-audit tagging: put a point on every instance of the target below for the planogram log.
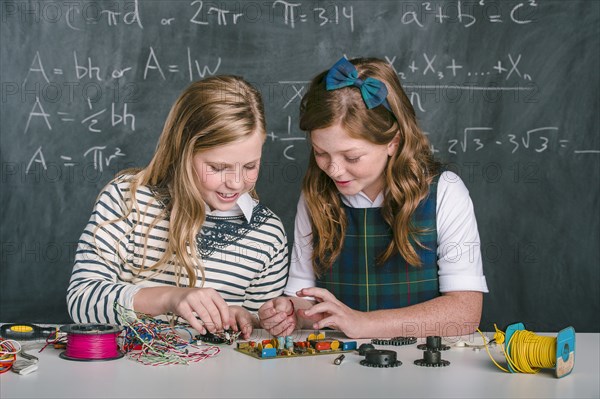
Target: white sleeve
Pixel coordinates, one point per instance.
(459, 246)
(301, 269)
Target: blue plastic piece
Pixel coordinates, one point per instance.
(349, 346)
(510, 330)
(269, 352)
(565, 352)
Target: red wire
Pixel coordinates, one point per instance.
(3, 368)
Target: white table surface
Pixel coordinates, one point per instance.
(230, 374)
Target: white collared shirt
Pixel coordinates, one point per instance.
(458, 246)
(244, 205)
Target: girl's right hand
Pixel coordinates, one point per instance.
(278, 316)
(203, 308)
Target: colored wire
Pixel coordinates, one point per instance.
(488, 350)
(8, 354)
(525, 352)
(56, 339)
(530, 352)
(6, 363)
(155, 342)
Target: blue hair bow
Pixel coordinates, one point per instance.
(344, 74)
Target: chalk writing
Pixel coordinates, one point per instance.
(97, 154)
(152, 66)
(430, 65)
(38, 111)
(288, 139)
(222, 15)
(77, 16)
(294, 13)
(99, 159)
(538, 139)
(425, 75)
(467, 13)
(111, 17)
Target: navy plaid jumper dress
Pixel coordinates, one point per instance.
(356, 279)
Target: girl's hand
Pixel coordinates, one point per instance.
(202, 308)
(241, 320)
(278, 316)
(330, 312)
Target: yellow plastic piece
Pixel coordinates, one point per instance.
(268, 346)
(335, 345)
(311, 337)
(321, 336)
(22, 329)
(274, 343)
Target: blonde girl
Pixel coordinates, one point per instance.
(386, 242)
(186, 235)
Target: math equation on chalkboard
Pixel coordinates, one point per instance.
(91, 66)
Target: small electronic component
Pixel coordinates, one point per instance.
(338, 360)
(223, 337)
(349, 345)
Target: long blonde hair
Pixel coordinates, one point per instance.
(209, 113)
(408, 173)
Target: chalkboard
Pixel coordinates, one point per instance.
(507, 91)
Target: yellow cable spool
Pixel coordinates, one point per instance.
(526, 352)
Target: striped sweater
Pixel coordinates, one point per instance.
(244, 260)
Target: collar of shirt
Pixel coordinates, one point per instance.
(243, 206)
(361, 200)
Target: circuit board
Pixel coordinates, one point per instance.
(285, 347)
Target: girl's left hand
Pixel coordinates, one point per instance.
(332, 313)
(241, 320)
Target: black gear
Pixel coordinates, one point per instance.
(433, 343)
(380, 358)
(425, 347)
(364, 348)
(368, 364)
(423, 363)
(432, 359)
(397, 341)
